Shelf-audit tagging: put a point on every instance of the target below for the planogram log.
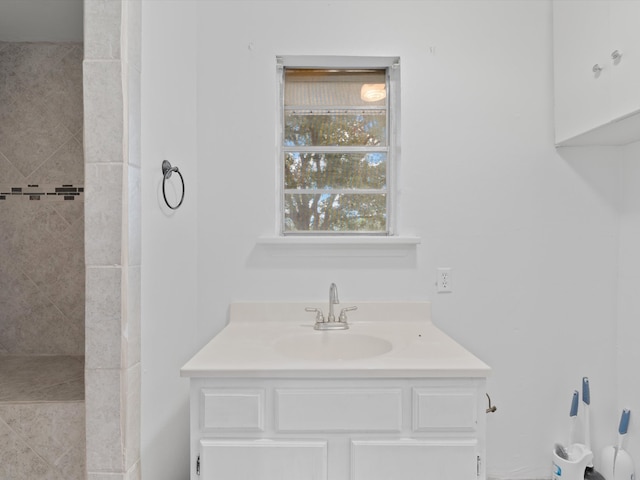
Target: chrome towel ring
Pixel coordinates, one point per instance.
(167, 171)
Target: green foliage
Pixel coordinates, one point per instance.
(329, 170)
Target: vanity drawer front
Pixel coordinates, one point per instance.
(338, 410)
(413, 459)
(229, 410)
(440, 411)
(263, 459)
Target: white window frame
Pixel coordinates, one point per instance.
(392, 66)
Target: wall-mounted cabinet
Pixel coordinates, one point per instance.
(596, 71)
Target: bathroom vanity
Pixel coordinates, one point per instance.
(391, 397)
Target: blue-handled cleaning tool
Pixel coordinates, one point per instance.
(590, 473)
(561, 450)
(623, 468)
(573, 415)
(617, 464)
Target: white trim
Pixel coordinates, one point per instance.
(324, 61)
(279, 147)
(393, 132)
(393, 141)
(328, 246)
(379, 240)
(331, 149)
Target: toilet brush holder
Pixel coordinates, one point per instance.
(574, 466)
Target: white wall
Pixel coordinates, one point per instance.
(531, 234)
(169, 239)
(628, 298)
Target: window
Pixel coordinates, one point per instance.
(337, 146)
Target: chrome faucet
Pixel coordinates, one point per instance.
(333, 300)
(331, 323)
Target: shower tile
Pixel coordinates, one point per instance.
(42, 286)
(8, 173)
(132, 414)
(102, 27)
(59, 277)
(40, 378)
(39, 222)
(23, 63)
(103, 103)
(103, 214)
(60, 89)
(135, 114)
(134, 216)
(34, 227)
(73, 213)
(68, 291)
(133, 332)
(48, 428)
(51, 435)
(134, 473)
(41, 250)
(59, 334)
(17, 459)
(29, 134)
(63, 392)
(104, 420)
(31, 323)
(65, 166)
(134, 32)
(71, 465)
(103, 323)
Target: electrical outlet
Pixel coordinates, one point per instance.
(444, 280)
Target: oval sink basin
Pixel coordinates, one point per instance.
(336, 345)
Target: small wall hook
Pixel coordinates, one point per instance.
(492, 408)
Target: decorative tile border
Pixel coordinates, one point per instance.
(42, 192)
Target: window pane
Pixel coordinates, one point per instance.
(327, 88)
(335, 212)
(335, 129)
(335, 170)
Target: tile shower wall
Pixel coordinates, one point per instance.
(40, 441)
(111, 67)
(41, 199)
(42, 417)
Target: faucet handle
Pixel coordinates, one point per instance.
(319, 314)
(343, 314)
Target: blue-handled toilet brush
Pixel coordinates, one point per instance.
(590, 473)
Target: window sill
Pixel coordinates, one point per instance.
(299, 246)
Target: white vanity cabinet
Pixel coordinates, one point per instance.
(596, 46)
(338, 429)
(390, 398)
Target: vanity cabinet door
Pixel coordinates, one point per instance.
(413, 459)
(230, 459)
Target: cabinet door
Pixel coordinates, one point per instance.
(625, 71)
(580, 41)
(414, 460)
(263, 460)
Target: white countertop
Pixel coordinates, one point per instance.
(248, 345)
